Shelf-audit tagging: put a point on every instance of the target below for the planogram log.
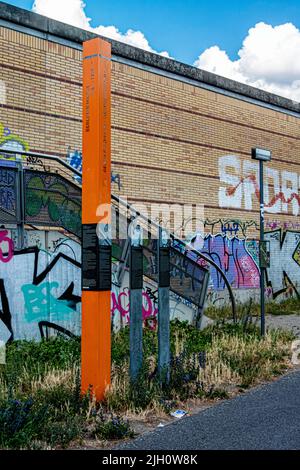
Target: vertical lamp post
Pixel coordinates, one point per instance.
(262, 156)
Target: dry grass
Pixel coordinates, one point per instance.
(25, 384)
(236, 360)
(235, 356)
(232, 360)
(55, 378)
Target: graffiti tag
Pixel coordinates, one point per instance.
(6, 254)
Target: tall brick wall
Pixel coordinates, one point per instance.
(171, 142)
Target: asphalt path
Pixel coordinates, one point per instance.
(267, 417)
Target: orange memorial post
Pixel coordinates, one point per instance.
(96, 218)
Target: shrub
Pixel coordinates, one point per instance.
(21, 421)
(112, 428)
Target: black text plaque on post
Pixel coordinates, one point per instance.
(96, 261)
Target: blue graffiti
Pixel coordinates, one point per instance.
(74, 158)
(40, 303)
(233, 258)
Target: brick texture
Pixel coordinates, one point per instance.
(169, 138)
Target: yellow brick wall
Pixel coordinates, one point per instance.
(167, 136)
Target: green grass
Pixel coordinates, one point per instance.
(41, 406)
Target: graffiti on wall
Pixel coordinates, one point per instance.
(233, 257)
(8, 190)
(40, 301)
(230, 227)
(10, 141)
(180, 308)
(6, 247)
(239, 260)
(285, 261)
(282, 224)
(241, 179)
(120, 305)
(40, 290)
(50, 199)
(74, 158)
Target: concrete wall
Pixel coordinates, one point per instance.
(40, 289)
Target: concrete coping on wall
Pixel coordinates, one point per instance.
(51, 27)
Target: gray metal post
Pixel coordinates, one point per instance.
(163, 306)
(136, 306)
(262, 237)
(262, 155)
(20, 202)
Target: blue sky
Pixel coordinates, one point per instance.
(188, 29)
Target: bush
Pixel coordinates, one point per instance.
(21, 421)
(62, 432)
(113, 428)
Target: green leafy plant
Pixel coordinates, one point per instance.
(113, 427)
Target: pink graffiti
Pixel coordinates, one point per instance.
(278, 197)
(120, 304)
(5, 257)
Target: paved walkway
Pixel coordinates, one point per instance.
(267, 417)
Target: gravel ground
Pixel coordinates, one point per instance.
(288, 322)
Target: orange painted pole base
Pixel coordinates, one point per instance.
(96, 344)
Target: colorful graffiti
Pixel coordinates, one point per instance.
(41, 290)
(8, 190)
(41, 302)
(10, 141)
(120, 304)
(285, 261)
(233, 258)
(239, 260)
(242, 179)
(7, 253)
(52, 200)
(282, 224)
(74, 158)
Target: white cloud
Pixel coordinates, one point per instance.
(268, 59)
(67, 11)
(72, 12)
